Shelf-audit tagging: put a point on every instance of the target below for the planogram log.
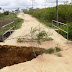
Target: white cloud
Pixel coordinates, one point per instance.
(13, 4)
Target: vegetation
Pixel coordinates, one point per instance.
(58, 49)
(59, 55)
(6, 13)
(70, 42)
(49, 14)
(0, 8)
(19, 40)
(52, 50)
(8, 17)
(36, 35)
(49, 51)
(46, 15)
(41, 34)
(69, 30)
(17, 10)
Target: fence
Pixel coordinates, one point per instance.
(7, 28)
(58, 24)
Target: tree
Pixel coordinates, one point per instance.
(0, 8)
(6, 13)
(17, 10)
(65, 2)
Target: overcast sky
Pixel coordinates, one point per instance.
(13, 4)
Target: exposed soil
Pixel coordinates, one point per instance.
(10, 55)
(25, 29)
(42, 63)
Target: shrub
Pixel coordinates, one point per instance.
(69, 30)
(46, 15)
(1, 14)
(6, 13)
(58, 49)
(19, 40)
(59, 55)
(49, 51)
(41, 35)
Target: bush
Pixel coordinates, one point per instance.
(41, 35)
(19, 40)
(69, 30)
(49, 14)
(49, 51)
(59, 55)
(6, 13)
(46, 15)
(58, 49)
(1, 14)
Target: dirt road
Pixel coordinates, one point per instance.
(45, 62)
(29, 22)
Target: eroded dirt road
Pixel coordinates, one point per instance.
(29, 22)
(45, 62)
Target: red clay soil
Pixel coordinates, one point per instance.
(10, 55)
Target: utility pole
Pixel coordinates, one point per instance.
(45, 3)
(57, 11)
(32, 4)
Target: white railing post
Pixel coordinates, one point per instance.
(7, 30)
(60, 28)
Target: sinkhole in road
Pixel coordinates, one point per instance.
(10, 55)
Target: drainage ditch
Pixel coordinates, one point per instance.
(5, 36)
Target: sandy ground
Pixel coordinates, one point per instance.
(25, 29)
(45, 62)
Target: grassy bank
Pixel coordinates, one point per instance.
(5, 19)
(49, 14)
(46, 15)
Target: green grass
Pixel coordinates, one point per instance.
(59, 55)
(69, 42)
(49, 14)
(46, 15)
(9, 18)
(49, 51)
(52, 50)
(49, 24)
(19, 40)
(18, 23)
(58, 49)
(37, 36)
(47, 39)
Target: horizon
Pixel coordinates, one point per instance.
(14, 4)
